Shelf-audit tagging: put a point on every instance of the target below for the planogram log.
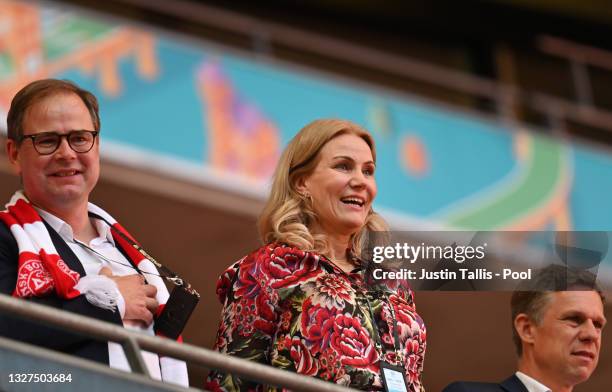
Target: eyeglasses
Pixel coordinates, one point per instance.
(46, 143)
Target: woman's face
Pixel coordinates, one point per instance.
(342, 185)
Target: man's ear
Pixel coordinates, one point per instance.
(525, 328)
(12, 152)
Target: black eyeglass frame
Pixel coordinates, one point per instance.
(33, 137)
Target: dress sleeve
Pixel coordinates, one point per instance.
(248, 321)
(415, 336)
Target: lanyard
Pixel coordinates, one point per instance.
(166, 273)
(377, 339)
(108, 259)
(383, 296)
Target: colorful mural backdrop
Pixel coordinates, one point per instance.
(215, 116)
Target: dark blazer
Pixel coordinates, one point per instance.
(43, 335)
(512, 384)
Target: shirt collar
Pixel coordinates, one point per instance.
(65, 230)
(62, 228)
(104, 230)
(532, 384)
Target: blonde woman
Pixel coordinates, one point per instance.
(301, 302)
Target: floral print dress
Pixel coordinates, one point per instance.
(297, 311)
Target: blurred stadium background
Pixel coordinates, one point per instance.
(488, 115)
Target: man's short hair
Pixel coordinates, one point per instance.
(38, 90)
(533, 296)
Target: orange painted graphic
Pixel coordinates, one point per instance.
(240, 138)
(414, 156)
(29, 53)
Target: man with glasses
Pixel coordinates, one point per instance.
(58, 249)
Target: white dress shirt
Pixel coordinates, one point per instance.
(531, 384)
(92, 263)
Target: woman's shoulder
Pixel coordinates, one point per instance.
(274, 251)
(277, 264)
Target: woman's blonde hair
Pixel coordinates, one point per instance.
(288, 215)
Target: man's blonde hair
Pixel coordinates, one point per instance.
(288, 215)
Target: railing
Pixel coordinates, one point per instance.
(28, 368)
(133, 342)
(579, 57)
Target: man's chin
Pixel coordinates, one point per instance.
(69, 195)
(582, 373)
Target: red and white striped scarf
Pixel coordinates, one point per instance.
(41, 269)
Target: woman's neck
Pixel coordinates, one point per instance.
(338, 246)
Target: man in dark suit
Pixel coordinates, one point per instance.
(512, 384)
(53, 251)
(558, 319)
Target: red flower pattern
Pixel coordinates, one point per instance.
(312, 320)
(285, 266)
(224, 284)
(266, 317)
(351, 341)
(330, 291)
(331, 365)
(290, 308)
(304, 361)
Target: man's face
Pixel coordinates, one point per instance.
(567, 341)
(64, 178)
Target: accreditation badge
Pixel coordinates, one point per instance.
(393, 378)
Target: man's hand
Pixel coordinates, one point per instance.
(140, 302)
